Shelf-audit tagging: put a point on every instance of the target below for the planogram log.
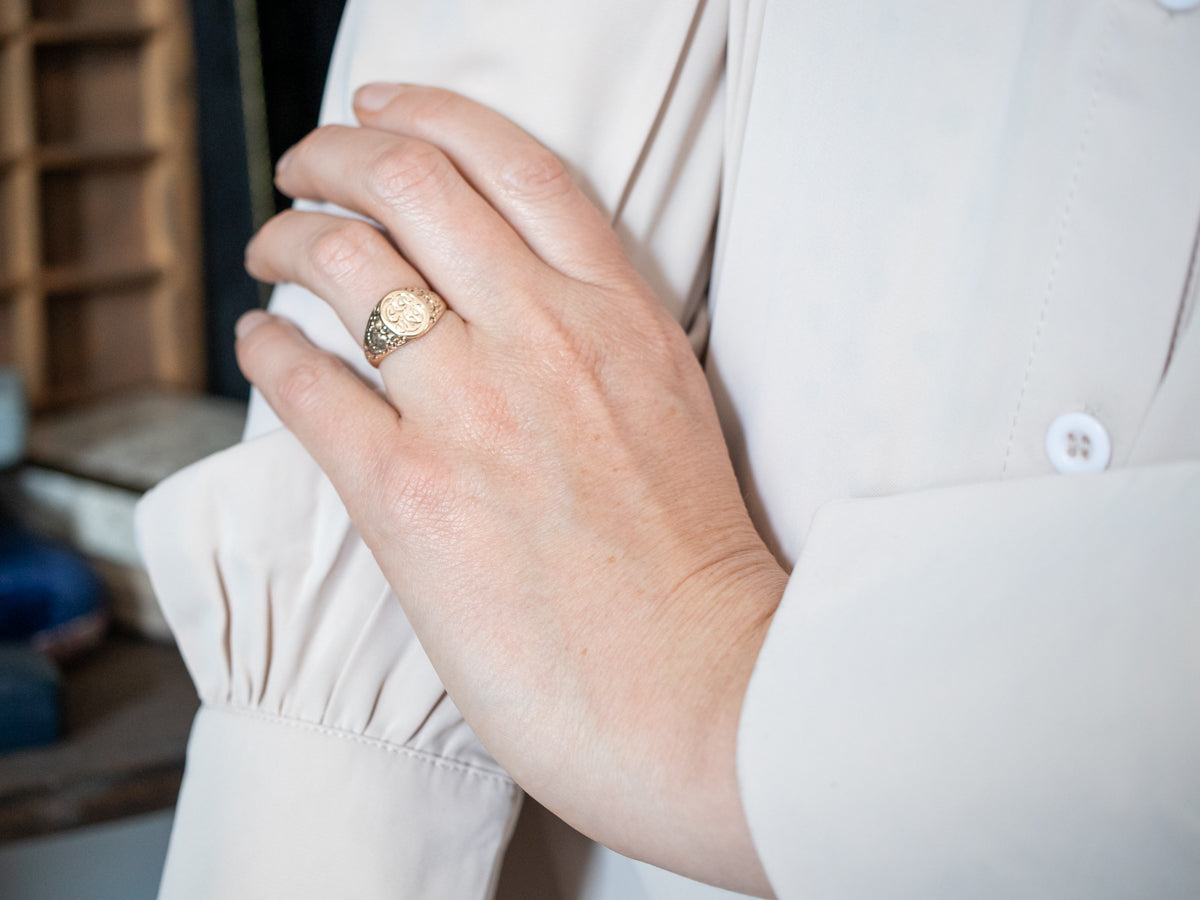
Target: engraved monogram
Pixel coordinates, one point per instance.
(408, 313)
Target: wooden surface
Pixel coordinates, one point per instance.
(99, 248)
(128, 707)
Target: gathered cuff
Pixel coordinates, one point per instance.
(272, 806)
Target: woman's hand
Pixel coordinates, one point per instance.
(545, 484)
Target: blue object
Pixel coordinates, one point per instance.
(29, 698)
(49, 595)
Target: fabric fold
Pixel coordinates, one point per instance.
(316, 696)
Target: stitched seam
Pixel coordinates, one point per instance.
(432, 759)
(1061, 238)
(1191, 288)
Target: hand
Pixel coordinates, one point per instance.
(545, 485)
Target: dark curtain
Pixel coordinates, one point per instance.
(295, 41)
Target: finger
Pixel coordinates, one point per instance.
(351, 265)
(454, 237)
(349, 430)
(520, 177)
(347, 262)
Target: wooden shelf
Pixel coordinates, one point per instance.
(62, 157)
(127, 710)
(57, 34)
(72, 280)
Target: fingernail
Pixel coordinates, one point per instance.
(285, 160)
(249, 321)
(374, 97)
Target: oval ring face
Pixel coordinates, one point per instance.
(408, 313)
(401, 316)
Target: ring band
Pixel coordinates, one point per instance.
(401, 316)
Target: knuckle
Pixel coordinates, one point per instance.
(538, 173)
(343, 249)
(427, 109)
(408, 172)
(299, 389)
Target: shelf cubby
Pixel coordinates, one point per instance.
(90, 95)
(93, 218)
(101, 340)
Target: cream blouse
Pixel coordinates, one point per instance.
(949, 323)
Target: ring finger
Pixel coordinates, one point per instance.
(351, 265)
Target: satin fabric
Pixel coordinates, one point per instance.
(940, 227)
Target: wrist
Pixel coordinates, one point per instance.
(677, 725)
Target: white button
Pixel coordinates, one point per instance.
(1077, 442)
(1179, 5)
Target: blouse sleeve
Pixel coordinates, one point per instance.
(989, 690)
(326, 759)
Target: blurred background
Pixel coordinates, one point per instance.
(137, 140)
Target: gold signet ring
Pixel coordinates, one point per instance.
(401, 316)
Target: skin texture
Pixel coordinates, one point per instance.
(545, 484)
